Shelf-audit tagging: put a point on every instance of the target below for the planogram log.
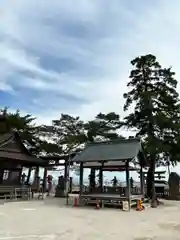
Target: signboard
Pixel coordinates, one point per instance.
(125, 206)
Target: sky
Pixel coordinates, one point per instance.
(74, 56)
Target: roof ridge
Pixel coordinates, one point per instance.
(114, 141)
(8, 136)
(14, 135)
(19, 140)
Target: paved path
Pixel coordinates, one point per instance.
(52, 220)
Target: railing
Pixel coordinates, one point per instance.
(14, 192)
(107, 189)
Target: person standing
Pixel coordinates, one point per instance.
(114, 181)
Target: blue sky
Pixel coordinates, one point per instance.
(74, 56)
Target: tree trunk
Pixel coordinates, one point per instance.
(149, 183)
(151, 192)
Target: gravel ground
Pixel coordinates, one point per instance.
(51, 219)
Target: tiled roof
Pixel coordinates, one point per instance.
(11, 147)
(119, 150)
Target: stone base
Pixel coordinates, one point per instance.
(60, 193)
(174, 197)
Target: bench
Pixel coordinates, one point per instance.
(6, 192)
(23, 192)
(15, 192)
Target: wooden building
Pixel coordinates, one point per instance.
(174, 186)
(117, 155)
(159, 182)
(13, 157)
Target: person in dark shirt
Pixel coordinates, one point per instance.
(114, 181)
(131, 182)
(92, 182)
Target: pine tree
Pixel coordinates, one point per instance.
(104, 127)
(70, 134)
(156, 112)
(64, 136)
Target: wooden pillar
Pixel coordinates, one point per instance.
(67, 179)
(38, 184)
(36, 174)
(128, 188)
(1, 175)
(9, 175)
(142, 181)
(19, 176)
(45, 180)
(29, 175)
(65, 174)
(65, 169)
(81, 178)
(101, 177)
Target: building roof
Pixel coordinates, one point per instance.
(161, 185)
(118, 150)
(64, 157)
(111, 166)
(156, 172)
(12, 148)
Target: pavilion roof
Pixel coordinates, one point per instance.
(120, 150)
(111, 166)
(65, 157)
(12, 148)
(156, 172)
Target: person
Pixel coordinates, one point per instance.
(49, 178)
(114, 180)
(23, 178)
(131, 182)
(70, 184)
(92, 182)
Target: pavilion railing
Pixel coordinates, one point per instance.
(121, 190)
(111, 190)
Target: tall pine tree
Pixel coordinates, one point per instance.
(156, 112)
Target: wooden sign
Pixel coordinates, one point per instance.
(125, 206)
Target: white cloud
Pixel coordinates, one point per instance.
(114, 34)
(99, 37)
